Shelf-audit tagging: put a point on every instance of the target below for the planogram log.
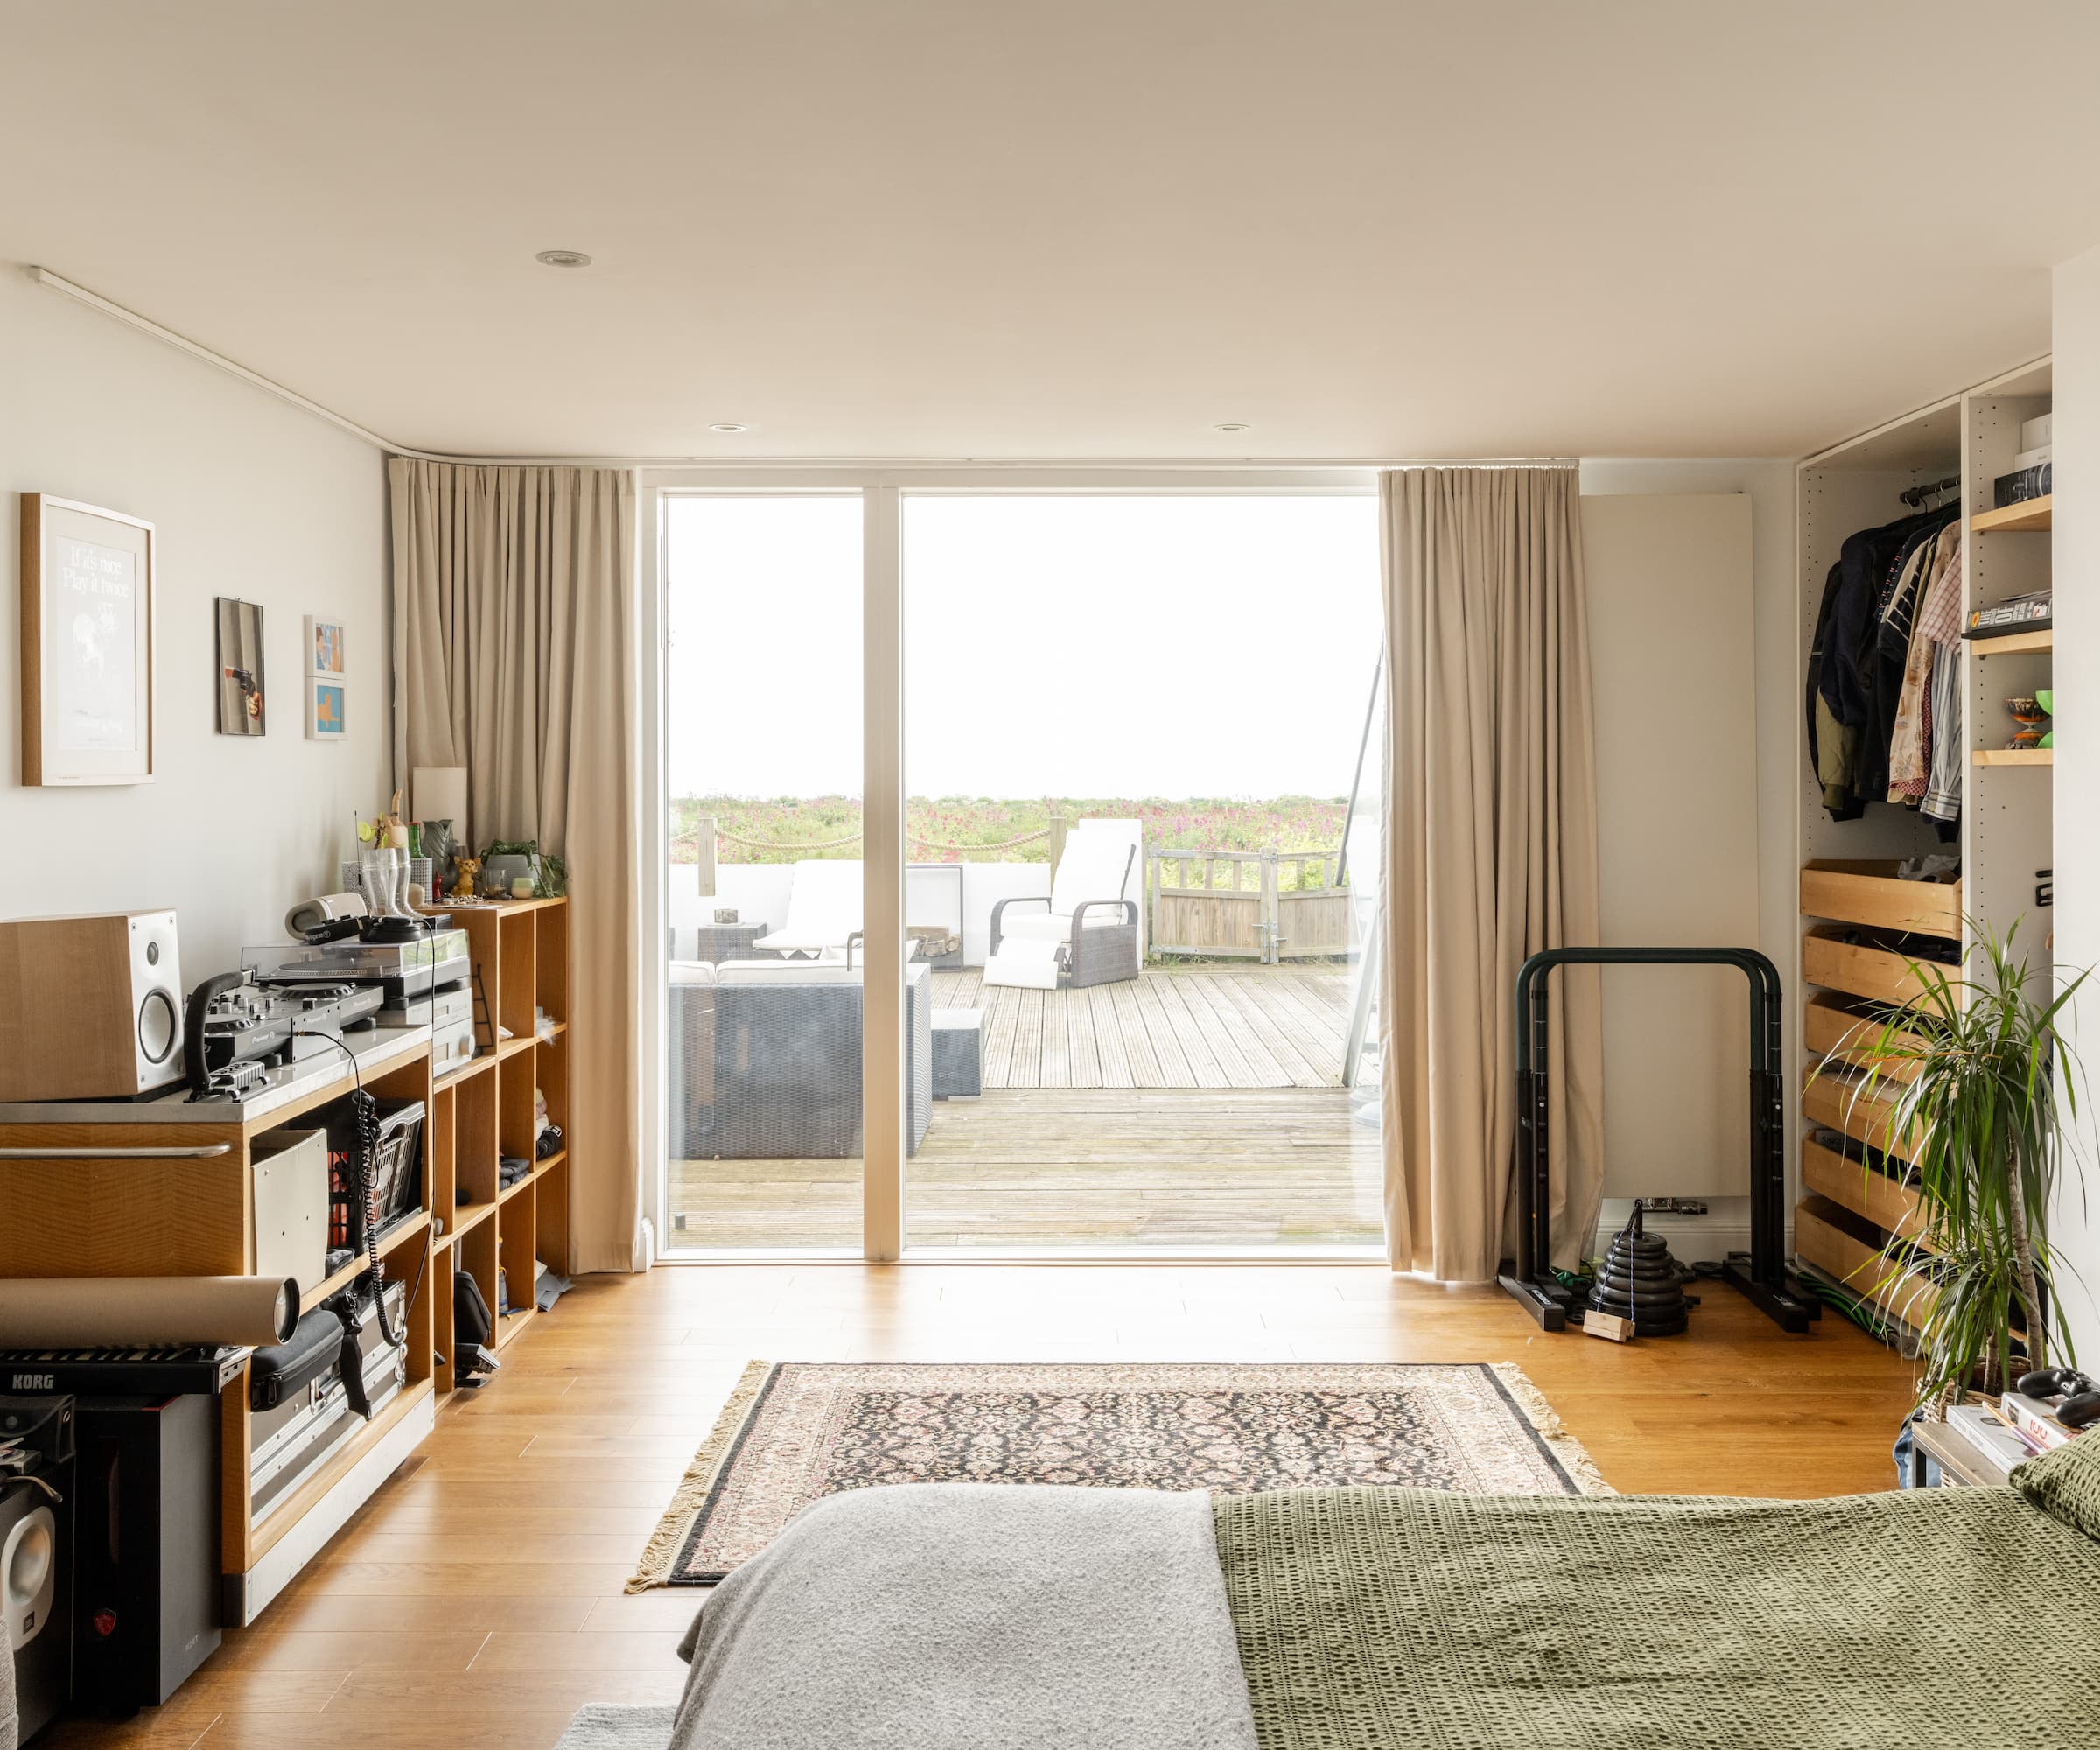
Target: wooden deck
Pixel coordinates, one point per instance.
(1252, 1026)
(1199, 1108)
(1045, 1169)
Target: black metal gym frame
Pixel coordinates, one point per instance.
(1761, 1274)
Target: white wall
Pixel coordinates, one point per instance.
(1620, 668)
(251, 498)
(1670, 609)
(2076, 775)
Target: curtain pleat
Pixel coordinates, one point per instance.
(515, 655)
(1491, 806)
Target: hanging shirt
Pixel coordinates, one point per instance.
(1938, 616)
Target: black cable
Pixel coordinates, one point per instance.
(364, 1111)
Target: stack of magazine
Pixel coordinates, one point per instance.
(2005, 1432)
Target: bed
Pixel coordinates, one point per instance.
(1020, 1618)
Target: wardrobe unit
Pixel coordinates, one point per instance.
(1851, 1198)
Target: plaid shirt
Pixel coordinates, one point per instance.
(1938, 621)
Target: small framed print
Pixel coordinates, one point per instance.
(86, 644)
(237, 666)
(324, 648)
(324, 709)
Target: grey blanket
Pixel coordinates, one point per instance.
(966, 1616)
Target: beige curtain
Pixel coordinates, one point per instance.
(1491, 811)
(514, 656)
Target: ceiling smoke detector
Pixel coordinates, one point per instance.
(729, 428)
(562, 258)
(1231, 426)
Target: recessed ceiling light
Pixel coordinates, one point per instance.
(1230, 425)
(562, 258)
(729, 428)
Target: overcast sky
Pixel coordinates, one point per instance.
(1056, 644)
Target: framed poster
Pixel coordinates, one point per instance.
(237, 633)
(325, 648)
(86, 644)
(324, 709)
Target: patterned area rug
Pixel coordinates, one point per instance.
(793, 1432)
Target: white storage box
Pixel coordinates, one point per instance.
(290, 1196)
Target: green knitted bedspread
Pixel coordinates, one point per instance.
(1397, 1618)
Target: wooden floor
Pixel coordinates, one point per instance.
(1046, 1168)
(1217, 1026)
(476, 1602)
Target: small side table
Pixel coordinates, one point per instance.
(717, 942)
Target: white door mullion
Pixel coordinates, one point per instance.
(882, 874)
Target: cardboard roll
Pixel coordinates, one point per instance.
(124, 1312)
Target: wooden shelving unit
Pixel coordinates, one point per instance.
(2014, 643)
(485, 1111)
(2030, 518)
(72, 1216)
(1860, 925)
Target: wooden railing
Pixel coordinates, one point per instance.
(1236, 904)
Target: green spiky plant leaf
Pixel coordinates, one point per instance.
(1979, 1079)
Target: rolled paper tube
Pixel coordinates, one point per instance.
(313, 914)
(126, 1311)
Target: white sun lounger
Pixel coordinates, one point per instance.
(824, 910)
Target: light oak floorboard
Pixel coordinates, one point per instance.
(476, 1602)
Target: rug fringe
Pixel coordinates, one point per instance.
(665, 1541)
(1552, 1429)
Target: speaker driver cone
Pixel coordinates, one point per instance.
(158, 1027)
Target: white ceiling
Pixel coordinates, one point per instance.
(1071, 227)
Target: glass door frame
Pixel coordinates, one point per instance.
(882, 488)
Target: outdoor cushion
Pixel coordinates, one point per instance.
(1096, 865)
(1029, 963)
(692, 972)
(824, 907)
(788, 972)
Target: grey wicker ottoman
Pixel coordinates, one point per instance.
(958, 1054)
(787, 1061)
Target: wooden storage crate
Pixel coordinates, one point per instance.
(1842, 1103)
(1829, 1026)
(1869, 892)
(1875, 973)
(1847, 1248)
(1891, 1205)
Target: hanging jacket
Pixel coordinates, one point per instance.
(1833, 749)
(1843, 666)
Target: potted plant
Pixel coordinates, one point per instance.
(1979, 1082)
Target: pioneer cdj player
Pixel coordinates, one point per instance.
(234, 1028)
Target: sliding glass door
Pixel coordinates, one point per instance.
(1134, 725)
(1021, 842)
(761, 601)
